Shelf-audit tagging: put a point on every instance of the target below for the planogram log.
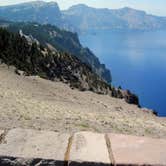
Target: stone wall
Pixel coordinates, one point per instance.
(41, 148)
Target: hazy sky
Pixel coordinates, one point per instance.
(157, 7)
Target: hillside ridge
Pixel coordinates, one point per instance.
(63, 41)
(36, 103)
(76, 20)
(35, 59)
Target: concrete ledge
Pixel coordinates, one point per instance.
(133, 150)
(34, 144)
(21, 147)
(89, 147)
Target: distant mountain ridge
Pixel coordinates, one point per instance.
(81, 17)
(35, 11)
(85, 18)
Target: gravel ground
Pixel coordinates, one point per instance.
(32, 102)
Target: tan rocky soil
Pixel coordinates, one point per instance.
(32, 102)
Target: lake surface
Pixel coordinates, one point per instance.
(137, 61)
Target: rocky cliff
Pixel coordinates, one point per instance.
(87, 18)
(48, 63)
(63, 41)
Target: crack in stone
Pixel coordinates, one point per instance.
(67, 153)
(2, 137)
(110, 152)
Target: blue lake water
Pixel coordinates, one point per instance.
(137, 61)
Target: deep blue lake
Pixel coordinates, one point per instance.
(137, 61)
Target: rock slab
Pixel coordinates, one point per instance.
(24, 143)
(133, 150)
(88, 148)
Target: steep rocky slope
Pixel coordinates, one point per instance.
(25, 53)
(33, 102)
(29, 101)
(34, 59)
(63, 41)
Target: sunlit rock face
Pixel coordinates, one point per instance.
(37, 11)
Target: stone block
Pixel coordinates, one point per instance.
(133, 150)
(89, 149)
(33, 144)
